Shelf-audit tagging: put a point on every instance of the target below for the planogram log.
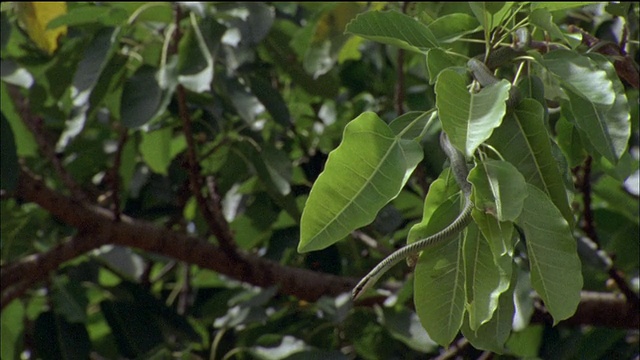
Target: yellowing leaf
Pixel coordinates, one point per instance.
(35, 16)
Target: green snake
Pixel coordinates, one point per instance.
(460, 172)
(459, 167)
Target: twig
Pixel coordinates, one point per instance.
(114, 175)
(36, 126)
(211, 211)
(399, 90)
(583, 180)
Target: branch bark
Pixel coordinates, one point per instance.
(96, 227)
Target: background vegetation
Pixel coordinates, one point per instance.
(157, 158)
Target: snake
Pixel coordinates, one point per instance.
(485, 77)
(460, 172)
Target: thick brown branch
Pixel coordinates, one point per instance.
(302, 283)
(597, 309)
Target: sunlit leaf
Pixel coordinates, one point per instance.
(439, 279)
(485, 279)
(405, 326)
(12, 326)
(522, 139)
(490, 14)
(393, 28)
(607, 125)
(363, 174)
(36, 16)
(492, 335)
(498, 189)
(469, 119)
(451, 27)
(555, 267)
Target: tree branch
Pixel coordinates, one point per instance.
(96, 228)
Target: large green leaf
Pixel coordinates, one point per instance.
(451, 27)
(490, 14)
(141, 98)
(393, 28)
(499, 234)
(469, 119)
(581, 75)
(485, 279)
(524, 142)
(607, 127)
(498, 189)
(439, 279)
(492, 335)
(555, 267)
(363, 174)
(439, 191)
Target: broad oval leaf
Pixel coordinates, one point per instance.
(485, 278)
(498, 189)
(492, 335)
(469, 119)
(451, 27)
(607, 127)
(439, 191)
(393, 28)
(439, 279)
(524, 142)
(141, 98)
(363, 174)
(555, 267)
(581, 75)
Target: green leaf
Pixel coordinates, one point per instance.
(90, 14)
(56, 338)
(70, 300)
(439, 279)
(438, 60)
(23, 138)
(559, 5)
(498, 189)
(141, 98)
(271, 99)
(485, 279)
(607, 126)
(492, 335)
(451, 27)
(134, 329)
(328, 38)
(440, 190)
(12, 327)
(499, 234)
(412, 125)
(555, 267)
(159, 147)
(490, 14)
(9, 168)
(581, 75)
(404, 325)
(469, 119)
(542, 18)
(523, 141)
(363, 174)
(393, 28)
